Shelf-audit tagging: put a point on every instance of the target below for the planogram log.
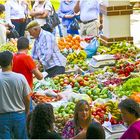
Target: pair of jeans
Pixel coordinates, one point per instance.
(20, 27)
(13, 125)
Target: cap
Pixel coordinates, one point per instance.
(32, 24)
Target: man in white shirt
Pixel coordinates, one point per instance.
(89, 13)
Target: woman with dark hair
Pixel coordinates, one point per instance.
(42, 122)
(130, 111)
(95, 131)
(77, 127)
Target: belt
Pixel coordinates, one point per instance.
(21, 20)
(85, 22)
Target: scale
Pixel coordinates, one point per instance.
(99, 61)
(114, 131)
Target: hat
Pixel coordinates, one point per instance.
(32, 24)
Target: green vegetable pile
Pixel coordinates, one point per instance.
(130, 86)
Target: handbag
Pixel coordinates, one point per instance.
(74, 25)
(13, 33)
(51, 21)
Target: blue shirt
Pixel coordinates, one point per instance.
(46, 51)
(66, 8)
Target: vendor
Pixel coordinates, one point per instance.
(46, 51)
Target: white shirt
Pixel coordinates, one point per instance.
(89, 10)
(40, 7)
(14, 9)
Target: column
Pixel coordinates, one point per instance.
(116, 21)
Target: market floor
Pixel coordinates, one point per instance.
(135, 25)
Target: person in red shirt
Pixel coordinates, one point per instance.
(24, 64)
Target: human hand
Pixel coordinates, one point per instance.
(81, 135)
(100, 27)
(69, 16)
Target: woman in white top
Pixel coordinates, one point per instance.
(16, 11)
(41, 9)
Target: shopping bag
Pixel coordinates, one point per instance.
(13, 33)
(74, 25)
(53, 19)
(91, 49)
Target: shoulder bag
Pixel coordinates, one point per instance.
(51, 21)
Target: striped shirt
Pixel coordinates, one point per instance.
(46, 51)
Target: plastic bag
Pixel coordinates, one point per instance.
(91, 49)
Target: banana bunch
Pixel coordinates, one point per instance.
(75, 57)
(8, 47)
(112, 107)
(103, 49)
(82, 55)
(71, 57)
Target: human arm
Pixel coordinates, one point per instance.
(77, 7)
(81, 135)
(39, 14)
(27, 104)
(37, 74)
(32, 67)
(48, 44)
(131, 133)
(7, 14)
(26, 95)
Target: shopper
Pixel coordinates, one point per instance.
(89, 13)
(14, 100)
(130, 111)
(41, 10)
(77, 127)
(95, 131)
(42, 122)
(24, 64)
(16, 11)
(2, 26)
(68, 16)
(46, 51)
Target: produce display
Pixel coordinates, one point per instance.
(130, 86)
(109, 83)
(101, 112)
(63, 114)
(10, 46)
(69, 42)
(120, 49)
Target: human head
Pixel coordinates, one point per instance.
(22, 43)
(6, 58)
(95, 131)
(33, 28)
(130, 110)
(2, 8)
(42, 120)
(82, 112)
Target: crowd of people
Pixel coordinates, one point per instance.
(18, 119)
